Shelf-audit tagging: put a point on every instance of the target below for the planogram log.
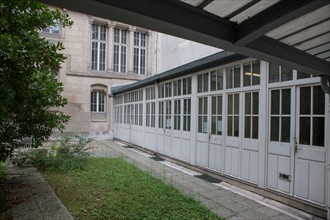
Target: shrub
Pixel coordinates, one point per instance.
(20, 156)
(66, 154)
(2, 171)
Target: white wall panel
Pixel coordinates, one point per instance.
(215, 157)
(272, 171)
(316, 182)
(254, 166)
(284, 167)
(301, 176)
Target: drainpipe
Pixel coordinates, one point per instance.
(325, 84)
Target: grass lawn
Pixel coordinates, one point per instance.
(111, 188)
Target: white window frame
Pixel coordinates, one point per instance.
(100, 49)
(120, 59)
(100, 107)
(54, 29)
(140, 53)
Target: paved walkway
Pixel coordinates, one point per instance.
(31, 196)
(34, 199)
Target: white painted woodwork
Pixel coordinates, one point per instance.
(260, 161)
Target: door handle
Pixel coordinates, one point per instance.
(295, 145)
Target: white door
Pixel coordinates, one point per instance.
(310, 149)
(297, 151)
(281, 133)
(203, 134)
(168, 128)
(150, 134)
(215, 142)
(209, 137)
(233, 141)
(161, 127)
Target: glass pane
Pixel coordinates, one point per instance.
(184, 106)
(219, 126)
(318, 131)
(318, 99)
(179, 87)
(247, 74)
(175, 122)
(304, 131)
(200, 83)
(301, 75)
(286, 74)
(184, 123)
(214, 105)
(236, 126)
(255, 127)
(148, 108)
(274, 129)
(213, 124)
(256, 72)
(220, 80)
(236, 104)
(161, 108)
(247, 130)
(273, 72)
(230, 126)
(286, 101)
(205, 106)
(205, 126)
(219, 105)
(200, 105)
(305, 100)
(189, 85)
(230, 104)
(205, 82)
(229, 78)
(275, 102)
(184, 87)
(175, 88)
(237, 77)
(189, 106)
(255, 109)
(213, 81)
(247, 103)
(285, 129)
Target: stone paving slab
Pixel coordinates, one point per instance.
(31, 196)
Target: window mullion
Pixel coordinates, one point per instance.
(139, 60)
(251, 112)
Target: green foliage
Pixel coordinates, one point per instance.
(27, 86)
(111, 188)
(20, 156)
(4, 195)
(2, 171)
(67, 154)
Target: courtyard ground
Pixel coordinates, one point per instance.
(35, 199)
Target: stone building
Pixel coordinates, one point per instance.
(101, 54)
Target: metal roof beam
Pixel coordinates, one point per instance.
(278, 14)
(204, 3)
(176, 18)
(242, 9)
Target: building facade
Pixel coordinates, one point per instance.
(101, 54)
(253, 123)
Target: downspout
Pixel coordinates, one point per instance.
(325, 84)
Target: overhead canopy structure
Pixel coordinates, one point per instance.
(293, 33)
